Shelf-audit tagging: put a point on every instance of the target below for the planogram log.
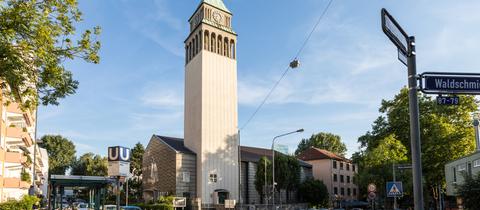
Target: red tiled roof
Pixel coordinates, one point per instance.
(313, 153)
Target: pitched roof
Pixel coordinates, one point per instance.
(313, 153)
(175, 143)
(218, 4)
(253, 154)
(248, 154)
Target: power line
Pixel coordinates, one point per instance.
(289, 67)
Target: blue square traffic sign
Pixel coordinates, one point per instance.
(394, 189)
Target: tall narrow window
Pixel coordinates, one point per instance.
(225, 48)
(196, 45)
(335, 177)
(454, 174)
(213, 42)
(232, 48)
(206, 41)
(334, 164)
(200, 41)
(219, 44)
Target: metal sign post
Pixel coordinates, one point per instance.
(406, 46)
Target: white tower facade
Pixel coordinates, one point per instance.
(211, 116)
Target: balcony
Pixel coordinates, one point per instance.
(13, 108)
(15, 157)
(15, 183)
(19, 133)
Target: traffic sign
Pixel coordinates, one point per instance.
(372, 195)
(394, 189)
(450, 83)
(448, 100)
(394, 31)
(372, 187)
(404, 166)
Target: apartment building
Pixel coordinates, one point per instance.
(17, 133)
(336, 172)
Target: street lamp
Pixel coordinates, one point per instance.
(273, 160)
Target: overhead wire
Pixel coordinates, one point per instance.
(304, 44)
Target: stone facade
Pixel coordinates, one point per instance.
(158, 172)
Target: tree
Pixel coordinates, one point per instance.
(469, 191)
(260, 186)
(446, 134)
(314, 192)
(137, 158)
(36, 38)
(90, 164)
(326, 141)
(61, 153)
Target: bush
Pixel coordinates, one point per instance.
(166, 200)
(468, 191)
(314, 192)
(161, 206)
(25, 176)
(26, 203)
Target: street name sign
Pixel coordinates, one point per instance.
(394, 31)
(394, 189)
(450, 83)
(404, 166)
(448, 100)
(402, 57)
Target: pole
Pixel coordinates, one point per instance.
(126, 193)
(265, 172)
(273, 173)
(414, 126)
(118, 192)
(395, 196)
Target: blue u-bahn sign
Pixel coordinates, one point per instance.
(119, 153)
(450, 83)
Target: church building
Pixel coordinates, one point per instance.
(204, 166)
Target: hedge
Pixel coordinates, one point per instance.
(161, 206)
(26, 203)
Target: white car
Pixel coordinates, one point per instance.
(82, 206)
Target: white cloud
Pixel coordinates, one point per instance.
(162, 98)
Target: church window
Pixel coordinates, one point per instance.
(186, 54)
(214, 42)
(195, 42)
(189, 51)
(219, 44)
(200, 43)
(206, 40)
(232, 49)
(225, 47)
(213, 178)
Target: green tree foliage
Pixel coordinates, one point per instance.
(314, 192)
(263, 163)
(90, 164)
(61, 153)
(326, 141)
(26, 203)
(446, 134)
(469, 191)
(137, 158)
(36, 38)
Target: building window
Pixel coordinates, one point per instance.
(353, 179)
(334, 164)
(476, 163)
(348, 167)
(454, 174)
(334, 177)
(348, 179)
(341, 165)
(349, 193)
(335, 191)
(213, 178)
(353, 167)
(341, 179)
(354, 191)
(342, 191)
(186, 177)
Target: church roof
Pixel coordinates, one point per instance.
(175, 143)
(218, 4)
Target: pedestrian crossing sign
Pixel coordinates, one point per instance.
(394, 189)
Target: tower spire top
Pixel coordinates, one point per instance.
(218, 4)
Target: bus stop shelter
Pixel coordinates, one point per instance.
(97, 186)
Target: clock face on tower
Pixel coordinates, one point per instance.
(217, 17)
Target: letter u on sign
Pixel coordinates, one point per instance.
(118, 154)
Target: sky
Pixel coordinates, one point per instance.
(347, 67)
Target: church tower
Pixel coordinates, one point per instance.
(211, 118)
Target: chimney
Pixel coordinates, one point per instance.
(477, 134)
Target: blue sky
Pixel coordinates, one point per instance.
(347, 68)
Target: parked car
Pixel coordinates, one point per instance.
(82, 206)
(109, 207)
